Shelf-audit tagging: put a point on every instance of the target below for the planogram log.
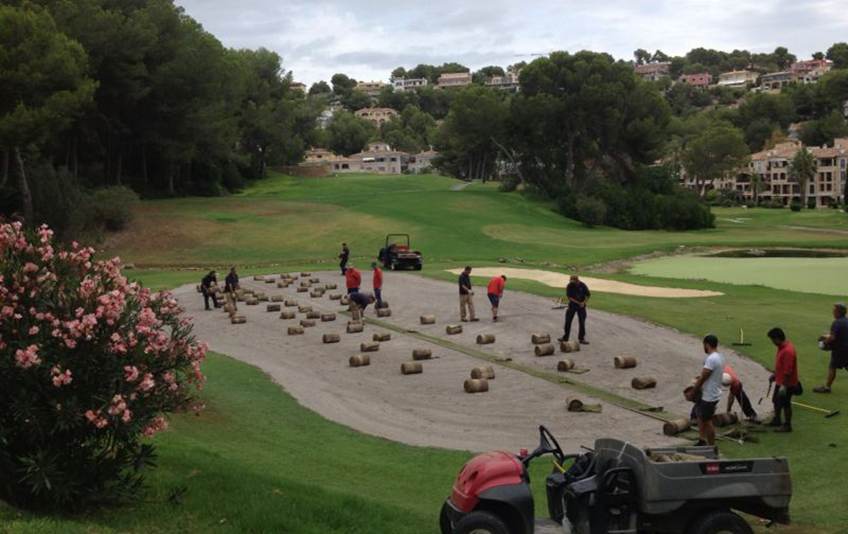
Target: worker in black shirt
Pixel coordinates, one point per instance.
(343, 257)
(206, 287)
(466, 296)
(231, 284)
(578, 295)
(358, 302)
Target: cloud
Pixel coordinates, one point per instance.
(368, 38)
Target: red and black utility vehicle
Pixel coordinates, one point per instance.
(619, 488)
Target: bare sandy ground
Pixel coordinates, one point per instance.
(431, 409)
(553, 279)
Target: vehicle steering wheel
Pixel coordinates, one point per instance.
(548, 442)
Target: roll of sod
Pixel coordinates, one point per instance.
(199, 289)
(314, 280)
(643, 382)
(540, 339)
(428, 319)
(411, 368)
(672, 428)
(252, 302)
(335, 296)
(487, 372)
(316, 294)
(259, 278)
(383, 304)
(313, 315)
(269, 280)
(382, 337)
(330, 286)
(238, 319)
(369, 346)
(354, 328)
(302, 289)
(331, 338)
(307, 323)
(625, 362)
(305, 274)
(453, 329)
(421, 354)
(544, 350)
(569, 346)
(345, 300)
(291, 303)
(725, 419)
(288, 315)
(573, 404)
(304, 309)
(359, 360)
(327, 317)
(476, 385)
(277, 298)
(272, 307)
(485, 339)
(384, 312)
(565, 365)
(263, 298)
(295, 330)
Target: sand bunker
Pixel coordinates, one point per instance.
(432, 409)
(600, 285)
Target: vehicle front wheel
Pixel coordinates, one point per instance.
(444, 521)
(480, 523)
(721, 523)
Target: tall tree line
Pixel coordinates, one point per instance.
(137, 93)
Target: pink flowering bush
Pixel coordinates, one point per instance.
(89, 366)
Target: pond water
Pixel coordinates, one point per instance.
(824, 275)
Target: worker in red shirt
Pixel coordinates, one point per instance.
(495, 291)
(353, 279)
(377, 280)
(730, 379)
(785, 380)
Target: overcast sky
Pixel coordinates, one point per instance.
(366, 39)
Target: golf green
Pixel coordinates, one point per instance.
(807, 275)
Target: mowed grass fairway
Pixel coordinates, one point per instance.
(256, 461)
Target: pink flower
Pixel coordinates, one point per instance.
(118, 405)
(146, 383)
(27, 358)
(130, 373)
(157, 425)
(59, 378)
(127, 416)
(33, 330)
(30, 267)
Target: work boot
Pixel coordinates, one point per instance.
(784, 428)
(474, 319)
(775, 422)
(464, 320)
(822, 389)
(562, 339)
(584, 342)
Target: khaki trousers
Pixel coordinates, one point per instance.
(466, 302)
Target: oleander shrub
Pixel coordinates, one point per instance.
(90, 365)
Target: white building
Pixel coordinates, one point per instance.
(408, 84)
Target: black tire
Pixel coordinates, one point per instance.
(720, 523)
(418, 267)
(481, 523)
(444, 520)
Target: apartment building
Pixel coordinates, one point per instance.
(768, 176)
(378, 158)
(371, 89)
(408, 84)
(454, 79)
(737, 78)
(508, 82)
(653, 71)
(376, 115)
(700, 79)
(774, 81)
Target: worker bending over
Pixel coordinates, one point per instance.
(358, 302)
(730, 379)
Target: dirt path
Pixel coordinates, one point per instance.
(601, 285)
(431, 409)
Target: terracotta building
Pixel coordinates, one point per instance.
(376, 115)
